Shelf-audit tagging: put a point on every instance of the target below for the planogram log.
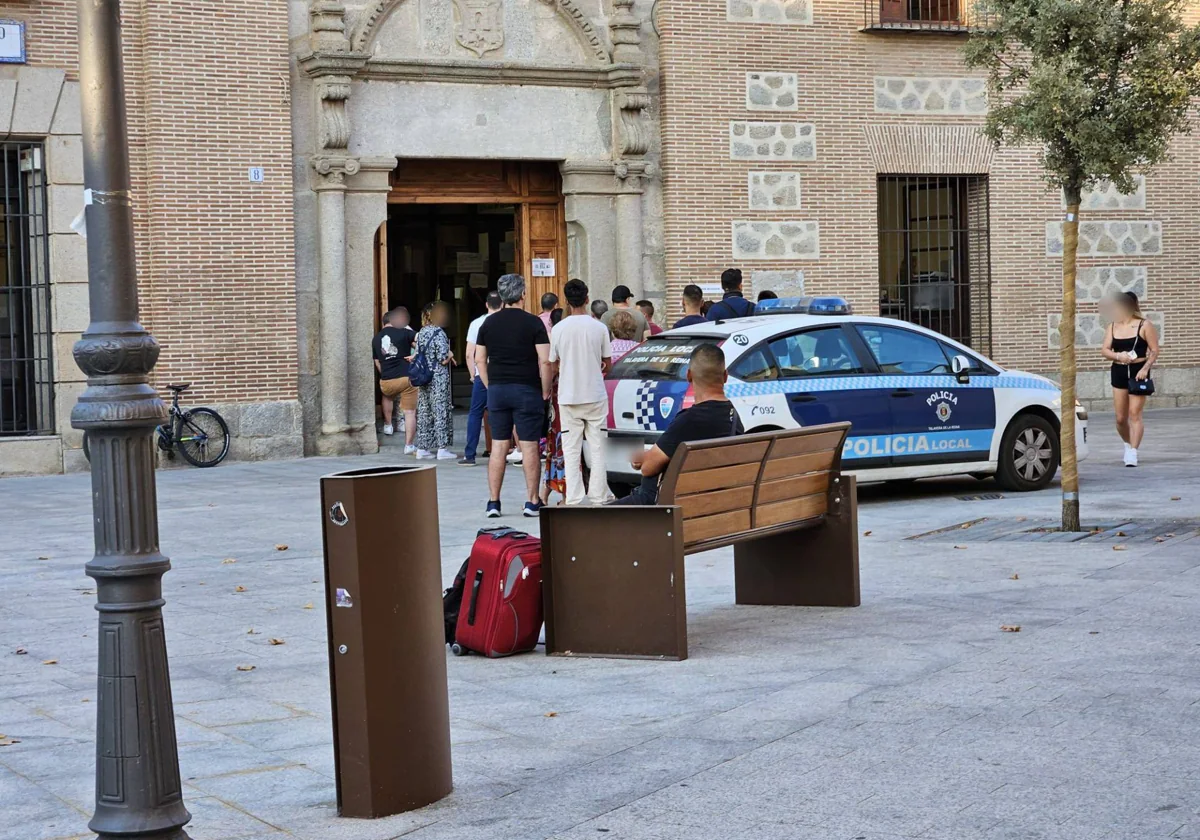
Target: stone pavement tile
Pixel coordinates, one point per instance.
(213, 819)
(214, 713)
(221, 758)
(284, 734)
(32, 813)
(318, 757)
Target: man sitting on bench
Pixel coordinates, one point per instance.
(711, 416)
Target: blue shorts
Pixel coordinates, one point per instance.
(516, 405)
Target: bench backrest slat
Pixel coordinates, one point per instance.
(729, 488)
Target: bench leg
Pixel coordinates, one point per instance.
(813, 568)
(612, 582)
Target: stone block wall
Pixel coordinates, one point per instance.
(894, 103)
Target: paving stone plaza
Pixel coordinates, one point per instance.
(913, 716)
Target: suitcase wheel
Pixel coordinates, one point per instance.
(458, 650)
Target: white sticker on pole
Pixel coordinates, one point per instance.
(543, 268)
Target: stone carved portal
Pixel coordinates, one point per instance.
(479, 25)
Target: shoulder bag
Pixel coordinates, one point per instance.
(1139, 387)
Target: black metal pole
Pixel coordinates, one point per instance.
(138, 789)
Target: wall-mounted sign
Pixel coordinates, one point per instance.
(12, 42)
(470, 262)
(256, 174)
(543, 268)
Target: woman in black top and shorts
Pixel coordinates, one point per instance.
(1131, 344)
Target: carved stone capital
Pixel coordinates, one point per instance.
(327, 26)
(632, 173)
(635, 133)
(333, 170)
(626, 31)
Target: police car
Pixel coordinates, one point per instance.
(919, 403)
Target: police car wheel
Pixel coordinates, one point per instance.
(1029, 454)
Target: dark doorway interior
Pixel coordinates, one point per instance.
(449, 252)
(935, 254)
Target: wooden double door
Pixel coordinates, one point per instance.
(533, 191)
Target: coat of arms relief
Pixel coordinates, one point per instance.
(479, 25)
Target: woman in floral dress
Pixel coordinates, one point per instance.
(435, 425)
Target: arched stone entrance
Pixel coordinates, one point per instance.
(553, 80)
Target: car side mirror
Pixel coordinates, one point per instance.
(961, 367)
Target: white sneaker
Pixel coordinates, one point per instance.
(1131, 458)
(446, 455)
(425, 455)
(388, 430)
(409, 450)
(515, 457)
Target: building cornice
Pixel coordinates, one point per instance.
(606, 77)
(317, 64)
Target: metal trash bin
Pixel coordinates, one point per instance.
(387, 646)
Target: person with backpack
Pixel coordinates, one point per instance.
(733, 304)
(435, 407)
(391, 349)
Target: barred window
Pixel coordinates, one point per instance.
(935, 255)
(26, 363)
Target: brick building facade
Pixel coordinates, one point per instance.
(832, 147)
(208, 98)
(416, 149)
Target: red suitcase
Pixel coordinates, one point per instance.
(501, 612)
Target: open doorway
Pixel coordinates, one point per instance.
(455, 226)
(449, 252)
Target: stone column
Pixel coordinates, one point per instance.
(366, 210)
(630, 232)
(331, 246)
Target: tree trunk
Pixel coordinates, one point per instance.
(1070, 467)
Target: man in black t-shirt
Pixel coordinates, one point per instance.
(391, 349)
(512, 355)
(711, 416)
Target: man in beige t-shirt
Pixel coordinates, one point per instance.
(621, 298)
(581, 353)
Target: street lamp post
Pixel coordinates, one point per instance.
(138, 788)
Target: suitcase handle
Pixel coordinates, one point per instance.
(475, 586)
(502, 531)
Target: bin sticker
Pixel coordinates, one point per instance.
(342, 599)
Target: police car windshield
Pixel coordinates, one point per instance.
(666, 357)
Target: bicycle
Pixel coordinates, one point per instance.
(201, 434)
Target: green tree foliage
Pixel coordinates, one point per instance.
(1100, 87)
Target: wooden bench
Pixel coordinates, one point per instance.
(613, 577)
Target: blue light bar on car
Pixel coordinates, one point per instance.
(807, 305)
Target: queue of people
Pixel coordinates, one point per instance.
(537, 383)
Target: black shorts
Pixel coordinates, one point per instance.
(1121, 374)
(516, 405)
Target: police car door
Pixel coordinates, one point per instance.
(934, 418)
(825, 381)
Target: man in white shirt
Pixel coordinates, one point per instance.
(581, 354)
(478, 389)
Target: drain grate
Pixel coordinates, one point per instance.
(1020, 529)
(981, 497)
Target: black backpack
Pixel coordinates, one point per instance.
(452, 602)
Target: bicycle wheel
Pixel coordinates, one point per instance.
(203, 439)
